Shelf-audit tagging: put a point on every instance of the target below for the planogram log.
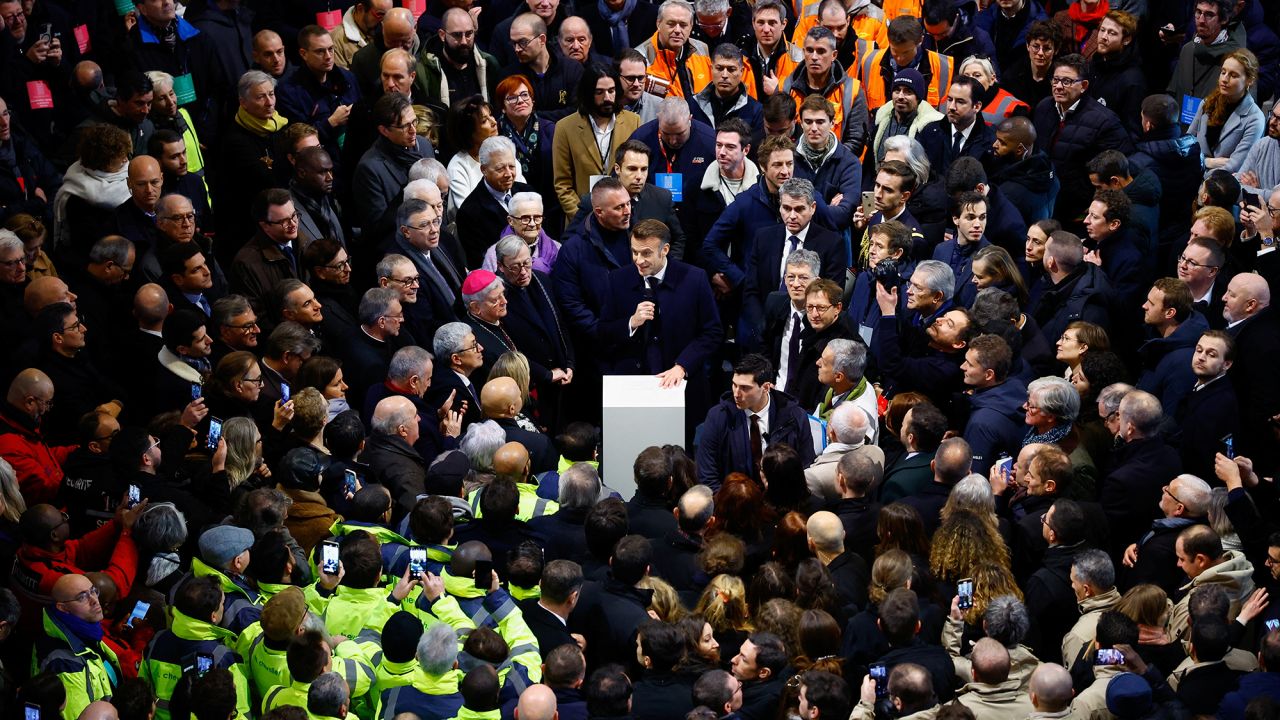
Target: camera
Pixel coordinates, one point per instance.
(887, 273)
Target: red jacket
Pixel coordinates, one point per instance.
(38, 466)
(109, 549)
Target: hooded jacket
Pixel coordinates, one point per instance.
(996, 422)
(1234, 574)
(171, 651)
(1166, 362)
(1079, 296)
(925, 114)
(1079, 637)
(38, 467)
(1031, 184)
(1196, 71)
(1003, 701)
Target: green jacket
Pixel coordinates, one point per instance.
(88, 673)
(467, 713)
(350, 610)
(173, 651)
(268, 667)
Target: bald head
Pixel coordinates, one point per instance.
(953, 461)
(143, 166)
(45, 291)
(500, 398)
(826, 532)
(463, 563)
(695, 509)
(151, 306)
(398, 28)
(456, 18)
(537, 702)
(1247, 295)
(74, 594)
(28, 384)
(990, 662)
(1019, 130)
(530, 22)
(391, 413)
(99, 710)
(88, 75)
(1050, 688)
(511, 460)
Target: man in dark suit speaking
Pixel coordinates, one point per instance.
(659, 316)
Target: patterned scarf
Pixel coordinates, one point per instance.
(1053, 437)
(526, 143)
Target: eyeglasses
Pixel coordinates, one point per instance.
(247, 326)
(92, 592)
(13, 263)
(461, 35)
(793, 279)
(526, 265)
(1206, 15)
(473, 348)
(527, 219)
(633, 79)
(154, 444)
(408, 281)
(818, 308)
(1064, 82)
(424, 226)
(1184, 260)
(259, 381)
(405, 125)
(522, 96)
(291, 220)
(1169, 492)
(77, 325)
(393, 317)
(1031, 408)
(45, 404)
(523, 43)
(340, 265)
(190, 217)
(109, 436)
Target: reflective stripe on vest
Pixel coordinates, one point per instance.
(389, 710)
(1003, 109)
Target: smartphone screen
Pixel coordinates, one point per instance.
(350, 485)
(484, 574)
(329, 558)
(417, 561)
(140, 610)
(1229, 447)
(215, 432)
(32, 712)
(1006, 467)
(1109, 656)
(135, 495)
(964, 589)
(1273, 625)
(284, 392)
(196, 391)
(204, 663)
(881, 676)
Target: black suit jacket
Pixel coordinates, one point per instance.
(136, 225)
(543, 455)
(535, 325)
(483, 218)
(365, 362)
(936, 139)
(686, 328)
(548, 628)
(433, 308)
(444, 381)
(764, 262)
(777, 313)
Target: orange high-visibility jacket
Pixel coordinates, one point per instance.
(866, 25)
(662, 64)
(894, 8)
(940, 69)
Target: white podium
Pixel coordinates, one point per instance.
(637, 414)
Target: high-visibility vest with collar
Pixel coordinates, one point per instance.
(866, 27)
(662, 64)
(350, 610)
(86, 673)
(940, 69)
(895, 8)
(268, 668)
(530, 507)
(841, 97)
(171, 652)
(1002, 106)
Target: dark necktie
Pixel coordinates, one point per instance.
(287, 249)
(957, 142)
(438, 280)
(756, 441)
(203, 302)
(793, 351)
(652, 343)
(793, 242)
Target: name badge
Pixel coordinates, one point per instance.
(1190, 106)
(184, 87)
(673, 182)
(40, 95)
(595, 179)
(82, 38)
(329, 19)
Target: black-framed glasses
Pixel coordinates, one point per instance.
(13, 263)
(77, 325)
(291, 220)
(187, 218)
(259, 381)
(413, 281)
(109, 436)
(1184, 260)
(1169, 492)
(426, 225)
(527, 219)
(1064, 82)
(525, 265)
(340, 265)
(252, 324)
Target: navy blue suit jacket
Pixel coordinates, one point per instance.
(688, 322)
(764, 262)
(433, 309)
(725, 441)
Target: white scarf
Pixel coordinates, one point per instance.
(102, 189)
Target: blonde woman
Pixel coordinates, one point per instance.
(515, 365)
(724, 605)
(665, 605)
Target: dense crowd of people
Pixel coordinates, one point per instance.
(309, 306)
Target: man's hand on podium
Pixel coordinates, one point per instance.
(672, 377)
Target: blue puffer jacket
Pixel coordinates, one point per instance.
(1166, 362)
(996, 423)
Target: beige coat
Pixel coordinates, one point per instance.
(1005, 701)
(865, 711)
(1091, 703)
(820, 477)
(1022, 661)
(1234, 574)
(576, 157)
(1083, 632)
(347, 39)
(1236, 659)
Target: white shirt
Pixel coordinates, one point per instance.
(553, 613)
(785, 363)
(604, 137)
(645, 279)
(1207, 297)
(763, 421)
(786, 247)
(965, 133)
